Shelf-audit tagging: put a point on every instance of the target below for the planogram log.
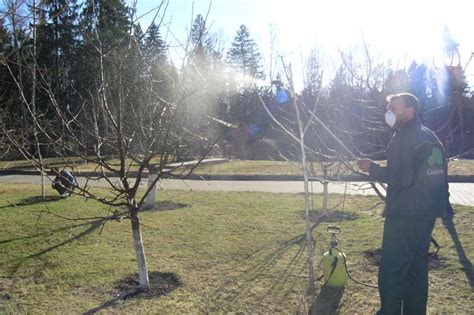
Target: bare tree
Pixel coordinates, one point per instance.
(298, 135)
(320, 133)
(126, 127)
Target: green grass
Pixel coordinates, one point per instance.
(248, 167)
(232, 252)
(237, 167)
(51, 162)
(461, 167)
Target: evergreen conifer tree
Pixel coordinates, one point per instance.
(243, 55)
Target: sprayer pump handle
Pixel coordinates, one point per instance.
(334, 229)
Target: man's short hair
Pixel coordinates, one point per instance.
(408, 99)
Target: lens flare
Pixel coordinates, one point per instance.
(281, 97)
(254, 129)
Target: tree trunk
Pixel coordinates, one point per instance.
(325, 196)
(140, 251)
(308, 232)
(33, 105)
(325, 188)
(150, 198)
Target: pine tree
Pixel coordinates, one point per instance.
(107, 34)
(198, 57)
(154, 46)
(312, 79)
(57, 38)
(243, 56)
(16, 60)
(198, 34)
(244, 107)
(202, 74)
(203, 53)
(58, 34)
(8, 90)
(113, 24)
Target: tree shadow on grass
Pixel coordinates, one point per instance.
(161, 283)
(94, 225)
(266, 260)
(259, 263)
(49, 232)
(33, 201)
(327, 301)
(463, 259)
(330, 216)
(165, 206)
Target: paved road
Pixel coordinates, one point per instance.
(461, 193)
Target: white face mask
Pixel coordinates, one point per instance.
(390, 118)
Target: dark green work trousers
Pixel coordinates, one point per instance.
(403, 271)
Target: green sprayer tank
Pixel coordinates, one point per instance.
(334, 269)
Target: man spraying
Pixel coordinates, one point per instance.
(417, 194)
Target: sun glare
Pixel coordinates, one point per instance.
(392, 29)
(396, 30)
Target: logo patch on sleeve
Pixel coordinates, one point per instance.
(435, 162)
(436, 157)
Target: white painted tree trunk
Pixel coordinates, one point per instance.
(325, 196)
(43, 184)
(325, 187)
(150, 198)
(140, 251)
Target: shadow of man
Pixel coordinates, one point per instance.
(463, 259)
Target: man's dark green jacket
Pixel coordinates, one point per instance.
(416, 173)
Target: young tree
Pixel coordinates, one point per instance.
(297, 131)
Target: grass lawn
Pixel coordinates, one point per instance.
(207, 251)
(236, 167)
(239, 167)
(51, 162)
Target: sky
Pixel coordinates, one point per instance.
(401, 30)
